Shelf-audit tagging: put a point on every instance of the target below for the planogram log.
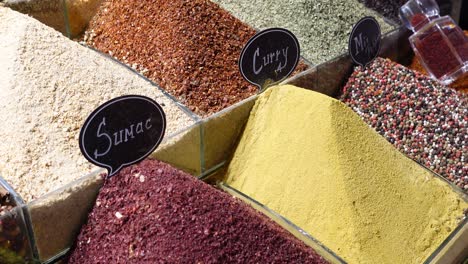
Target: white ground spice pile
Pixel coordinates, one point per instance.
(48, 86)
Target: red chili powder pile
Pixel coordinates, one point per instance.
(190, 48)
(153, 213)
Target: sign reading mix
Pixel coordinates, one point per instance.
(364, 41)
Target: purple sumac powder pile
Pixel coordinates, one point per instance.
(152, 213)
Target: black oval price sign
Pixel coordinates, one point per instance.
(269, 57)
(364, 41)
(122, 131)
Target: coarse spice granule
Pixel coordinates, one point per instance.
(152, 212)
(420, 117)
(48, 87)
(190, 48)
(320, 166)
(321, 26)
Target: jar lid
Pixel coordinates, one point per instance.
(417, 13)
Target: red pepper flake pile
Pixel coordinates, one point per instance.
(422, 118)
(190, 48)
(153, 213)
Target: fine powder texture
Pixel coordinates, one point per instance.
(190, 48)
(319, 165)
(49, 86)
(321, 26)
(154, 213)
(423, 119)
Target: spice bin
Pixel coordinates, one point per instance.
(15, 239)
(220, 132)
(285, 223)
(49, 224)
(322, 27)
(56, 217)
(66, 16)
(51, 99)
(55, 236)
(452, 250)
(330, 77)
(49, 12)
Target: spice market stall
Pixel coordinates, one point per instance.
(326, 163)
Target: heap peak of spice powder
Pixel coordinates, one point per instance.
(337, 179)
(190, 48)
(152, 212)
(423, 119)
(48, 86)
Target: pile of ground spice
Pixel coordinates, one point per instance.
(461, 84)
(48, 87)
(152, 212)
(320, 166)
(190, 48)
(321, 26)
(423, 119)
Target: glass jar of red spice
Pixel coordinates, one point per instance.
(438, 41)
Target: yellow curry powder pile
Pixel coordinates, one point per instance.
(313, 160)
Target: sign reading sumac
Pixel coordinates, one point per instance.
(122, 131)
(269, 57)
(364, 41)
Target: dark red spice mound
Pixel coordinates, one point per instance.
(190, 48)
(152, 213)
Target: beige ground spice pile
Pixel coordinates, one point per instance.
(48, 86)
